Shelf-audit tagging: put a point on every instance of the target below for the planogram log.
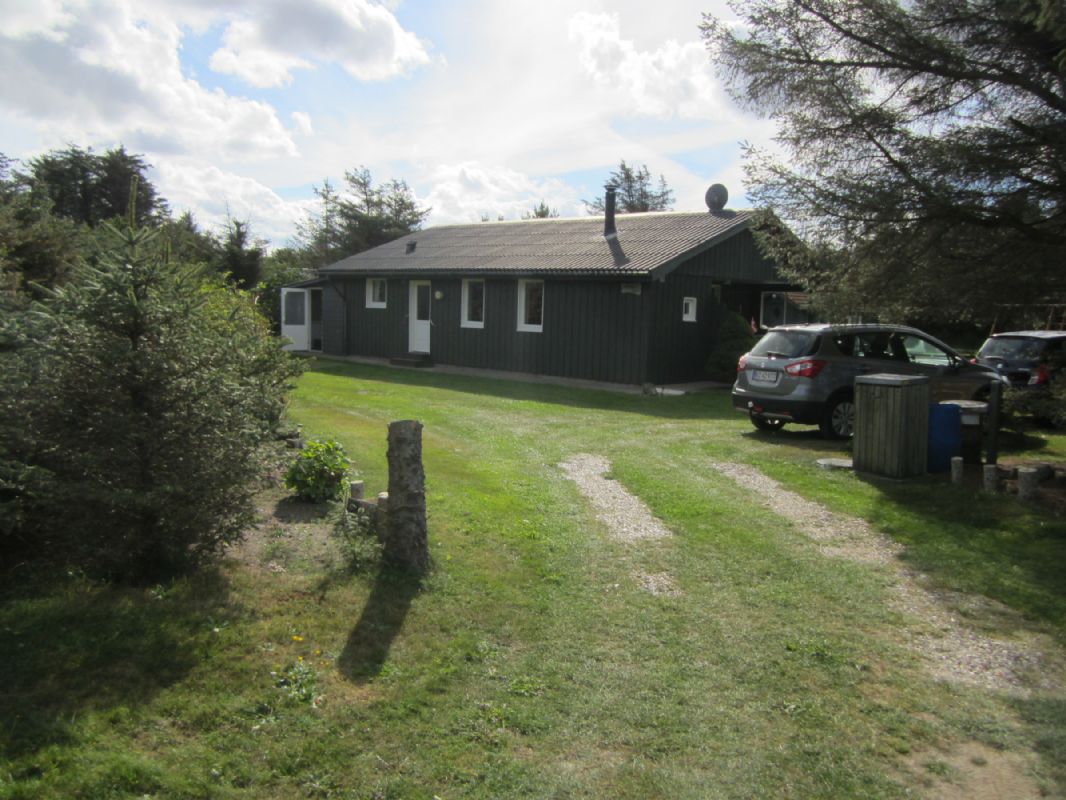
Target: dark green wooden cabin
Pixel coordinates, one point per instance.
(558, 297)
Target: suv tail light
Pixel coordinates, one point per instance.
(742, 362)
(1040, 377)
(805, 369)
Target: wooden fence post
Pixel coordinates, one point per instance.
(1028, 479)
(406, 539)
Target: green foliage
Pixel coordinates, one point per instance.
(282, 267)
(913, 193)
(734, 340)
(297, 682)
(131, 407)
(36, 247)
(92, 188)
(319, 471)
(361, 217)
(635, 193)
(541, 211)
(360, 547)
(241, 259)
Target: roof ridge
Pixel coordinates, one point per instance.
(590, 218)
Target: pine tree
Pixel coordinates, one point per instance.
(131, 404)
(634, 192)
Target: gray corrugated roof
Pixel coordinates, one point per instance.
(645, 243)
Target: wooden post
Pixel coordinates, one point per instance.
(1028, 479)
(957, 468)
(406, 539)
(991, 478)
(995, 397)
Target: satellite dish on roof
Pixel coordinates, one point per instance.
(717, 196)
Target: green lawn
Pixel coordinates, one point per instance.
(531, 662)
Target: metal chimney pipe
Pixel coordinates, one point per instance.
(608, 210)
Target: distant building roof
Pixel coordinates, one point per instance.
(645, 244)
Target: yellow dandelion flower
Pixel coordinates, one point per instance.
(297, 638)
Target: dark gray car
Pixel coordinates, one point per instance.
(806, 373)
(1025, 358)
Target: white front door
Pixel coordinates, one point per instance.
(419, 301)
(294, 319)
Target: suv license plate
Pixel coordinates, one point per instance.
(764, 376)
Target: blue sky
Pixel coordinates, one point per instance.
(482, 106)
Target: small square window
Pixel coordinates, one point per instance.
(377, 292)
(688, 309)
(473, 304)
(531, 306)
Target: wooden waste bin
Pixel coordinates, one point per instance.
(891, 425)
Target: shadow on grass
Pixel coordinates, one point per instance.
(383, 616)
(293, 510)
(709, 404)
(804, 437)
(971, 541)
(83, 647)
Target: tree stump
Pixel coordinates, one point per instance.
(1028, 480)
(406, 540)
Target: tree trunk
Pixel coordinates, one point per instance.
(406, 542)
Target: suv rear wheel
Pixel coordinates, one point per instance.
(838, 422)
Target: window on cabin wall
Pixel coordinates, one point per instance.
(783, 308)
(377, 293)
(531, 306)
(473, 312)
(688, 309)
(294, 308)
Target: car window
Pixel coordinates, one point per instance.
(922, 351)
(786, 344)
(872, 344)
(1012, 348)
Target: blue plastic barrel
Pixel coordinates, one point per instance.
(945, 436)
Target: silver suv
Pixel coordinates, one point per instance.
(806, 373)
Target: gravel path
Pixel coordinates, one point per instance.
(626, 516)
(954, 652)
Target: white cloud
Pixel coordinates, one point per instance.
(111, 74)
(364, 38)
(43, 17)
(215, 195)
(303, 122)
(675, 79)
(467, 191)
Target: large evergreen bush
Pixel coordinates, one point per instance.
(132, 402)
(735, 338)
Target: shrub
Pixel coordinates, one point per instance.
(734, 340)
(132, 403)
(319, 471)
(360, 547)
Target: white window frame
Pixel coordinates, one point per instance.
(370, 284)
(522, 324)
(688, 309)
(465, 320)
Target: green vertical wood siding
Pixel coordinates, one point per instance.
(735, 259)
(591, 330)
(679, 349)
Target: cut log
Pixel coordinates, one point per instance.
(406, 539)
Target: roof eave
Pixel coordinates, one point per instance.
(660, 272)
